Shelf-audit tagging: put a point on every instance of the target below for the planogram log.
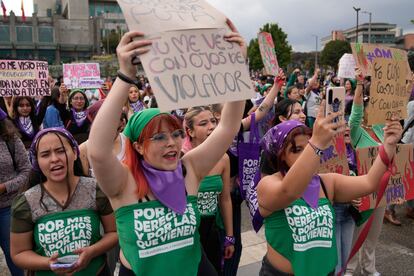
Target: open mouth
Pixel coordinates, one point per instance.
(56, 168)
(171, 156)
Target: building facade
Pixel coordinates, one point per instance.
(61, 31)
(381, 33)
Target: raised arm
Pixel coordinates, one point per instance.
(109, 172)
(268, 102)
(357, 111)
(275, 192)
(347, 188)
(312, 81)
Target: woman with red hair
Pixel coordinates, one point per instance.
(155, 194)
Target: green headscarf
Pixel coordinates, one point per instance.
(138, 121)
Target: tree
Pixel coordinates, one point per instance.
(333, 51)
(111, 40)
(282, 47)
(410, 56)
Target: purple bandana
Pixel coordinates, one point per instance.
(25, 125)
(167, 186)
(137, 106)
(79, 117)
(272, 143)
(3, 115)
(40, 134)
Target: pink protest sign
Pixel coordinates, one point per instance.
(268, 52)
(82, 75)
(24, 78)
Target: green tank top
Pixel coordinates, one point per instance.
(157, 241)
(304, 236)
(210, 188)
(63, 232)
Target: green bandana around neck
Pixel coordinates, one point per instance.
(138, 121)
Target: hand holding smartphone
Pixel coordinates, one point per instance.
(67, 262)
(335, 102)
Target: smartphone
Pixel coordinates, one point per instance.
(66, 261)
(335, 102)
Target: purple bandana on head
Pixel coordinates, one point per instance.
(3, 115)
(167, 186)
(40, 134)
(272, 143)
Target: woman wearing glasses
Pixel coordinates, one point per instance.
(155, 194)
(79, 123)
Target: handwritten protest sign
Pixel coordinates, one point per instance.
(82, 75)
(346, 68)
(189, 63)
(401, 184)
(268, 52)
(365, 55)
(196, 67)
(388, 95)
(170, 15)
(24, 78)
(334, 159)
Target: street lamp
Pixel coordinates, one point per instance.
(316, 50)
(369, 25)
(357, 12)
(107, 35)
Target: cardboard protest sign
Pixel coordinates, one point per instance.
(346, 68)
(82, 75)
(268, 53)
(388, 95)
(401, 184)
(365, 55)
(154, 16)
(196, 67)
(334, 159)
(24, 78)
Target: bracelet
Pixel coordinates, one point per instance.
(126, 79)
(317, 150)
(229, 240)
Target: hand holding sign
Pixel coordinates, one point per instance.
(392, 135)
(128, 49)
(234, 36)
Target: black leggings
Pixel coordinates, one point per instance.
(210, 241)
(205, 268)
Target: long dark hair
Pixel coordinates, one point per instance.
(284, 108)
(32, 115)
(37, 177)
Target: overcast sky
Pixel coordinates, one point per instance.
(300, 19)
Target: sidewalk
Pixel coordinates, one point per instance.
(254, 248)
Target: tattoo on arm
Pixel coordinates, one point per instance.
(264, 107)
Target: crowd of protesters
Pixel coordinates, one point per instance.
(109, 154)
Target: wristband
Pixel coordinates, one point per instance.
(126, 79)
(317, 150)
(229, 240)
(384, 157)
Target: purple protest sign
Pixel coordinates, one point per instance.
(249, 173)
